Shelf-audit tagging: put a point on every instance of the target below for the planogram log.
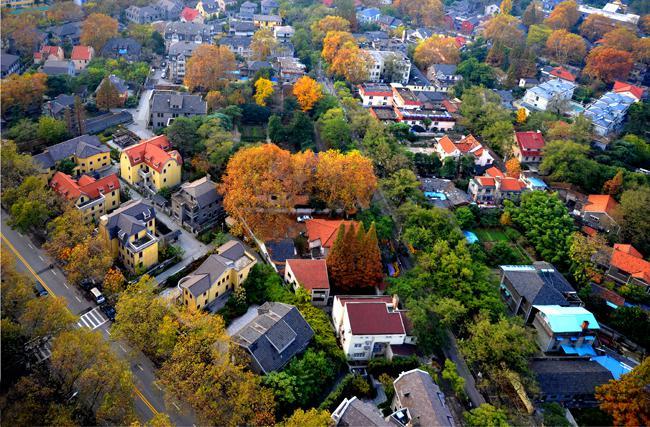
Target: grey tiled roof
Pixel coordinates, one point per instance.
(359, 413)
(275, 336)
(569, 376)
(191, 104)
(203, 190)
(101, 123)
(81, 146)
(131, 218)
(541, 285)
(183, 47)
(120, 46)
(54, 67)
(416, 391)
(7, 60)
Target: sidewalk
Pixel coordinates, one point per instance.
(452, 353)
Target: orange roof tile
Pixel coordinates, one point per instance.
(81, 53)
(600, 203)
(511, 184)
(447, 144)
(630, 262)
(153, 152)
(67, 187)
(626, 87)
(468, 144)
(494, 172)
(628, 249)
(325, 230)
(563, 73)
(310, 273)
(486, 181)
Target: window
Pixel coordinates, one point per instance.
(358, 354)
(358, 345)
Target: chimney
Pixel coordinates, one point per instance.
(585, 325)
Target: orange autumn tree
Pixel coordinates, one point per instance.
(613, 186)
(209, 68)
(307, 91)
(608, 64)
(333, 41)
(351, 62)
(354, 261)
(627, 400)
(427, 13)
(23, 91)
(595, 26)
(97, 29)
(564, 15)
(436, 50)
(263, 183)
(564, 47)
(620, 38)
(513, 167)
(504, 29)
(345, 181)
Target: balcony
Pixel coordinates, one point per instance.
(93, 202)
(145, 174)
(142, 243)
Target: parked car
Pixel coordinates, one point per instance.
(39, 290)
(109, 311)
(97, 295)
(87, 284)
(303, 218)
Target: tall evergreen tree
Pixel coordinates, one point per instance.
(338, 258)
(373, 270)
(107, 96)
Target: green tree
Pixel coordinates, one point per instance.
(14, 167)
(334, 129)
(476, 73)
(51, 130)
(46, 317)
(401, 185)
(499, 135)
(486, 415)
(634, 211)
(450, 374)
(183, 134)
(465, 218)
(430, 333)
(23, 131)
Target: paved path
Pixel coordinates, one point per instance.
(452, 353)
(148, 397)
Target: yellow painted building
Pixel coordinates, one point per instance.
(131, 234)
(267, 21)
(16, 3)
(92, 197)
(86, 151)
(220, 273)
(208, 8)
(151, 164)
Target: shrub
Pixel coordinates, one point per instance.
(351, 385)
(394, 367)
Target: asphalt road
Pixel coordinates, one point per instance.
(148, 396)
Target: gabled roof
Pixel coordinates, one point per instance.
(562, 73)
(373, 318)
(131, 218)
(530, 140)
(620, 87)
(82, 146)
(325, 229)
(511, 184)
(569, 376)
(447, 144)
(189, 14)
(275, 336)
(81, 53)
(494, 172)
(355, 412)
(310, 273)
(203, 190)
(485, 181)
(600, 203)
(629, 260)
(539, 284)
(153, 152)
(67, 187)
(567, 319)
(416, 391)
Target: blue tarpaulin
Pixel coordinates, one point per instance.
(470, 237)
(582, 350)
(614, 366)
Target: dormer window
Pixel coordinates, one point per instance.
(146, 214)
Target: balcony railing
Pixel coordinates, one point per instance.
(92, 202)
(142, 243)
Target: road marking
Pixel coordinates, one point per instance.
(108, 331)
(77, 298)
(54, 272)
(122, 347)
(31, 270)
(41, 258)
(30, 245)
(176, 406)
(66, 285)
(157, 386)
(137, 365)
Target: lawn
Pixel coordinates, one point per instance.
(491, 235)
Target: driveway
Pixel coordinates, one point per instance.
(241, 321)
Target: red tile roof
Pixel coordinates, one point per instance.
(530, 143)
(494, 172)
(460, 41)
(310, 273)
(450, 106)
(626, 87)
(563, 73)
(600, 203)
(511, 184)
(153, 152)
(447, 144)
(631, 262)
(486, 181)
(373, 318)
(468, 144)
(189, 14)
(67, 187)
(81, 53)
(325, 229)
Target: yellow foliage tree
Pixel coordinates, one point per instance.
(564, 15)
(513, 167)
(521, 116)
(351, 63)
(329, 23)
(506, 7)
(263, 91)
(23, 91)
(333, 41)
(263, 43)
(307, 91)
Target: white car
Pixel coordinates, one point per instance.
(303, 218)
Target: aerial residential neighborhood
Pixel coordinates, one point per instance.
(325, 213)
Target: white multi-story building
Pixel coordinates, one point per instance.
(376, 95)
(370, 326)
(550, 94)
(388, 67)
(615, 10)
